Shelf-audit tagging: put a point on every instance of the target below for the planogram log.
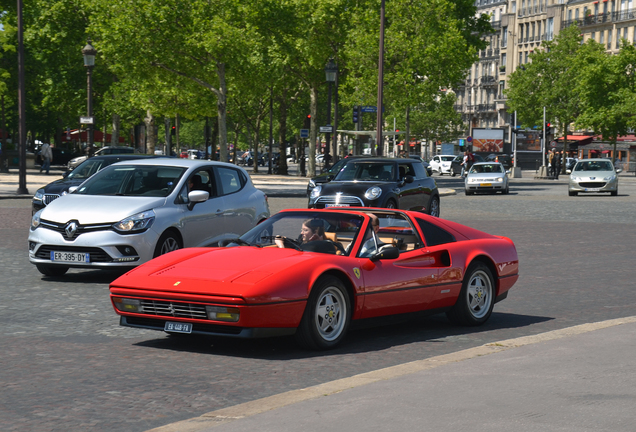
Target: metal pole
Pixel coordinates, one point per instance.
(543, 143)
(328, 136)
(89, 109)
(22, 189)
(379, 140)
(335, 153)
(515, 146)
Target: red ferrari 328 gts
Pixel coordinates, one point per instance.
(312, 272)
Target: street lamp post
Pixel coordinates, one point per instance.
(89, 61)
(331, 71)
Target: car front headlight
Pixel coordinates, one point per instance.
(35, 220)
(127, 305)
(315, 192)
(39, 195)
(135, 223)
(610, 178)
(499, 179)
(373, 193)
(576, 179)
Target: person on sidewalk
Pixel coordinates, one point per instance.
(557, 165)
(47, 156)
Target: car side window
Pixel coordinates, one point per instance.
(434, 235)
(229, 180)
(420, 171)
(407, 169)
(202, 180)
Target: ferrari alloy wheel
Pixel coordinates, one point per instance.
(52, 270)
(168, 242)
(327, 315)
(476, 299)
(433, 206)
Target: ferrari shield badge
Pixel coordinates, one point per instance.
(356, 271)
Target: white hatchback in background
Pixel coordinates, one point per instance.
(133, 211)
(487, 177)
(593, 176)
(441, 163)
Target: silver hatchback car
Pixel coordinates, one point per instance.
(133, 211)
(593, 175)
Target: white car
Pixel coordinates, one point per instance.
(486, 177)
(593, 175)
(132, 211)
(441, 164)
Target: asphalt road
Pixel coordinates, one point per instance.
(68, 366)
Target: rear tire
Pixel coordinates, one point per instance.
(433, 206)
(476, 299)
(327, 315)
(48, 270)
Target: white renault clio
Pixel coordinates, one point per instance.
(133, 211)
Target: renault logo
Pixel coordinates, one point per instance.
(71, 229)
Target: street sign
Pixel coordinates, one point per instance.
(553, 144)
(87, 120)
(469, 139)
(369, 108)
(327, 128)
(304, 133)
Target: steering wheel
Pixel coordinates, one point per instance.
(338, 247)
(286, 241)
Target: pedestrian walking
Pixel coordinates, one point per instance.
(47, 156)
(465, 164)
(551, 159)
(557, 165)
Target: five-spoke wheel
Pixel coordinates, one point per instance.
(476, 298)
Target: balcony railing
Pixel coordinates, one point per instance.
(485, 108)
(590, 20)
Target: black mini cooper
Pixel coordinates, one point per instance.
(379, 182)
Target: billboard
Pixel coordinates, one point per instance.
(488, 140)
(529, 141)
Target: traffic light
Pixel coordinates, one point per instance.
(356, 114)
(548, 128)
(173, 130)
(307, 123)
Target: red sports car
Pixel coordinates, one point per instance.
(312, 272)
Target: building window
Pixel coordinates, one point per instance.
(634, 35)
(550, 29)
(596, 9)
(576, 14)
(504, 37)
(513, 6)
(520, 58)
(570, 15)
(602, 40)
(609, 39)
(593, 36)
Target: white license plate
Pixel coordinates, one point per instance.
(336, 205)
(70, 257)
(178, 327)
(592, 189)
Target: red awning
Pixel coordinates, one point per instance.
(577, 138)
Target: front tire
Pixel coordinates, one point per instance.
(391, 204)
(572, 193)
(47, 270)
(614, 193)
(327, 315)
(476, 299)
(168, 242)
(452, 172)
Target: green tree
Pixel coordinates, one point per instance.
(607, 89)
(549, 80)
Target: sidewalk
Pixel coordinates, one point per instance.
(276, 186)
(573, 379)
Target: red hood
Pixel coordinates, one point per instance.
(240, 272)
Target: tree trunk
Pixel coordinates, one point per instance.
(313, 133)
(282, 133)
(222, 111)
(151, 132)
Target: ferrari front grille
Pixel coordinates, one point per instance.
(174, 309)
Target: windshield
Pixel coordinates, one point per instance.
(594, 166)
(310, 231)
(335, 168)
(487, 168)
(86, 169)
(133, 180)
(367, 171)
(447, 158)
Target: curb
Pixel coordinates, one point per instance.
(226, 415)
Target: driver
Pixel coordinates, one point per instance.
(373, 243)
(311, 229)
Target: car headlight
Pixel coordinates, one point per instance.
(135, 223)
(315, 192)
(312, 184)
(499, 179)
(39, 195)
(219, 313)
(576, 179)
(127, 305)
(373, 193)
(610, 178)
(35, 220)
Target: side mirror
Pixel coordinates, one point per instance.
(408, 179)
(619, 170)
(386, 252)
(72, 189)
(65, 174)
(196, 197)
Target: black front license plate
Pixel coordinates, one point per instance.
(177, 327)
